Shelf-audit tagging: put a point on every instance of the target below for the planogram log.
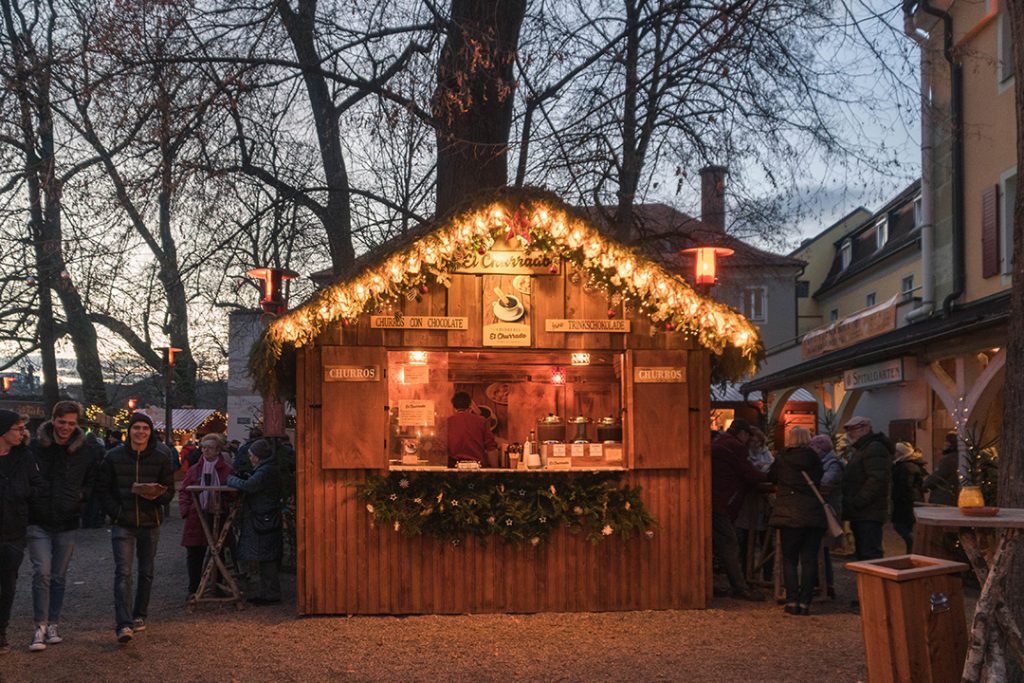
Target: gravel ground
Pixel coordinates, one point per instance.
(733, 641)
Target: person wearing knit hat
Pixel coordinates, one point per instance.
(908, 475)
(19, 481)
(135, 482)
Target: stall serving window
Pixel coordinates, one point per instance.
(563, 408)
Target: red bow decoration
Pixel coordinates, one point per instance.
(517, 227)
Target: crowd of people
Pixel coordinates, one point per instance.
(64, 478)
(874, 482)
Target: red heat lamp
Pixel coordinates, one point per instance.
(170, 351)
(7, 382)
(132, 402)
(272, 301)
(705, 266)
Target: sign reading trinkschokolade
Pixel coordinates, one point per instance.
(589, 325)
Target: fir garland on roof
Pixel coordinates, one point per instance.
(537, 221)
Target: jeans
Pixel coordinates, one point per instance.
(800, 562)
(129, 542)
(11, 555)
(867, 539)
(727, 547)
(906, 532)
(50, 553)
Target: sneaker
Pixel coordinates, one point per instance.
(804, 610)
(124, 634)
(792, 608)
(138, 625)
(52, 637)
(38, 639)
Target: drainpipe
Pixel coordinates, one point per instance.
(927, 148)
(957, 155)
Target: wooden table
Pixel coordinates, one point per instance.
(986, 541)
(216, 531)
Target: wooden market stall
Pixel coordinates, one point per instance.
(528, 307)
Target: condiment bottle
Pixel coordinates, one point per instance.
(533, 456)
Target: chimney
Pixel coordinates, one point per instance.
(712, 197)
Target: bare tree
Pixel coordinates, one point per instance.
(29, 71)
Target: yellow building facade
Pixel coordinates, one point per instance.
(934, 363)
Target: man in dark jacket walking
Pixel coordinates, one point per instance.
(866, 486)
(67, 459)
(135, 481)
(732, 477)
(19, 481)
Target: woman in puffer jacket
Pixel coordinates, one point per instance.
(799, 518)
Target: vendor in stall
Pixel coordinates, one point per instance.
(469, 435)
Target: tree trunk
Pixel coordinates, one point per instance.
(474, 97)
(1011, 457)
(337, 214)
(170, 270)
(32, 85)
(632, 160)
(79, 327)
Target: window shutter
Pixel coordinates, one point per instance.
(990, 232)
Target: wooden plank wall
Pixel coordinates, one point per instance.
(348, 567)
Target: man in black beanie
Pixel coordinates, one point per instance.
(19, 481)
(135, 481)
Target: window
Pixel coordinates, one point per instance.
(881, 233)
(1004, 49)
(833, 315)
(907, 287)
(753, 304)
(869, 300)
(803, 289)
(1008, 203)
(846, 254)
(918, 214)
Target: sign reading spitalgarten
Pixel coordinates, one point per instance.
(876, 375)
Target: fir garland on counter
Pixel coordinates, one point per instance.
(517, 508)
